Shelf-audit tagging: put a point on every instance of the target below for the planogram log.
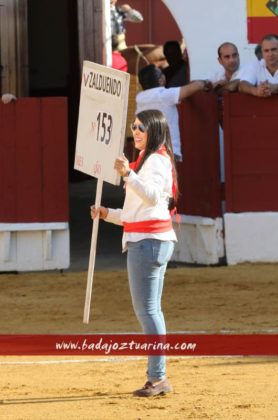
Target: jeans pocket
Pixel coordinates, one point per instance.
(162, 252)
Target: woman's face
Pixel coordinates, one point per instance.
(140, 134)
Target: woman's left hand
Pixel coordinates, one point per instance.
(122, 165)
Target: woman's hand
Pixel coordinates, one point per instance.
(102, 211)
(122, 165)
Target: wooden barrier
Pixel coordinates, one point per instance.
(199, 173)
(34, 161)
(251, 153)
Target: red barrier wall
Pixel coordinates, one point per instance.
(251, 153)
(34, 161)
(199, 173)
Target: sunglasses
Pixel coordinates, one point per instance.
(139, 127)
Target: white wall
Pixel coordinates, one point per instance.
(205, 28)
(251, 237)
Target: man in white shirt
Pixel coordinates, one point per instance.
(227, 78)
(260, 78)
(156, 96)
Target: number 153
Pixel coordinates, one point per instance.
(104, 127)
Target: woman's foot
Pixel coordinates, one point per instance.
(151, 389)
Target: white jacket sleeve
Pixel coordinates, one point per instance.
(114, 216)
(150, 186)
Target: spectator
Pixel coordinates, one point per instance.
(156, 96)
(260, 78)
(227, 78)
(177, 73)
(118, 61)
(120, 14)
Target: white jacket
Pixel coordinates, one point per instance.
(147, 198)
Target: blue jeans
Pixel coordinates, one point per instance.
(146, 265)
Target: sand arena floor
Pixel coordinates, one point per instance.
(241, 299)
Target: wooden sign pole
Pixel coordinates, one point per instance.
(92, 255)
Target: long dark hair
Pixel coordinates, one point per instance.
(158, 135)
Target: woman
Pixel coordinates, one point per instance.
(151, 192)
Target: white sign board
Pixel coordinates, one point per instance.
(102, 121)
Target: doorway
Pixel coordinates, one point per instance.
(54, 59)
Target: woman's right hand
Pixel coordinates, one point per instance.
(102, 211)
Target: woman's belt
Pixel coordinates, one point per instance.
(148, 226)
